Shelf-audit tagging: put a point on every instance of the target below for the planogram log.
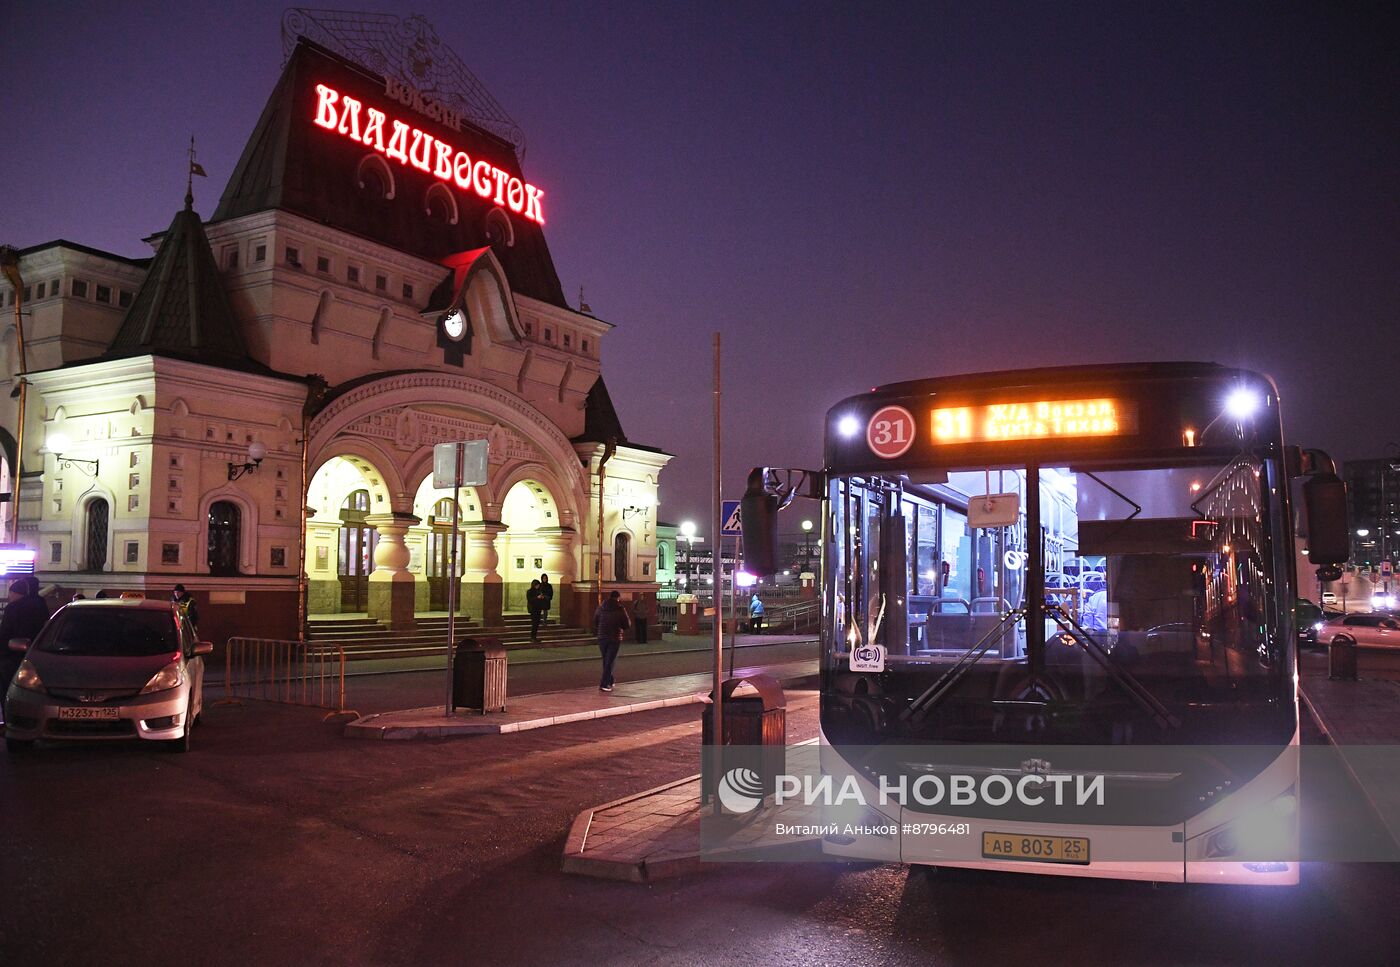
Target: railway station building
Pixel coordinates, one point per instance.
(260, 397)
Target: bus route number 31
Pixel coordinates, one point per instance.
(890, 432)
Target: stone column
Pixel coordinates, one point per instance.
(482, 591)
(559, 565)
(391, 583)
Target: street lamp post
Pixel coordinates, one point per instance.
(806, 545)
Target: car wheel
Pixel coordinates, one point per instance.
(16, 746)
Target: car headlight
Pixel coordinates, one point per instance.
(1318, 626)
(171, 676)
(27, 677)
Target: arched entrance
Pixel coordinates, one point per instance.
(430, 542)
(531, 517)
(355, 557)
(344, 495)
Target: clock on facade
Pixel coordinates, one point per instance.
(454, 325)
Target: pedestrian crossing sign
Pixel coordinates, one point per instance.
(730, 512)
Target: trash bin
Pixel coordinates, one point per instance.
(1341, 660)
(755, 732)
(479, 675)
(639, 627)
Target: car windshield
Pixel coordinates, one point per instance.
(1160, 622)
(109, 632)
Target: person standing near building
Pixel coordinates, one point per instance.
(610, 622)
(534, 604)
(546, 598)
(755, 614)
(184, 602)
(25, 614)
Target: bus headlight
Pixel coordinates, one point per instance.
(1267, 832)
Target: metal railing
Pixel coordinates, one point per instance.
(792, 618)
(289, 672)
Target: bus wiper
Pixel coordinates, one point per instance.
(1124, 679)
(920, 707)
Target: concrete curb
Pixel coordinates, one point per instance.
(633, 872)
(430, 722)
(469, 724)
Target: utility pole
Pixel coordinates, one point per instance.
(717, 709)
(9, 264)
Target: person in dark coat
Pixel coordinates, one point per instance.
(534, 604)
(611, 622)
(546, 598)
(186, 603)
(24, 616)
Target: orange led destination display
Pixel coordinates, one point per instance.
(1035, 420)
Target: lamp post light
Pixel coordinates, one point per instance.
(806, 545)
(58, 444)
(256, 452)
(687, 535)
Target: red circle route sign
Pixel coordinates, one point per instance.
(890, 432)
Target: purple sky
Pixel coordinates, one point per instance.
(853, 194)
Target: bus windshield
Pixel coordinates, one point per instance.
(1088, 603)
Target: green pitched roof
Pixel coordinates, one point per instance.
(181, 309)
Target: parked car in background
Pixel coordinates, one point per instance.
(1375, 629)
(123, 669)
(1310, 619)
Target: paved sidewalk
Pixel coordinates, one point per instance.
(1357, 717)
(557, 708)
(656, 834)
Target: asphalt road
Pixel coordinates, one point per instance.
(278, 841)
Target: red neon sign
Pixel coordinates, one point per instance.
(408, 145)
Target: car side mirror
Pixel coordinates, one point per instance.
(20, 645)
(203, 647)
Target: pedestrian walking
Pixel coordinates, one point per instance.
(755, 614)
(534, 604)
(611, 622)
(546, 598)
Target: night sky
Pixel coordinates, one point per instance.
(852, 194)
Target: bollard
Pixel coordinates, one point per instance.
(1341, 660)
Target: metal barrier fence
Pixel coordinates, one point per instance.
(289, 672)
(793, 618)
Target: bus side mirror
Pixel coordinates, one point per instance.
(1329, 535)
(758, 516)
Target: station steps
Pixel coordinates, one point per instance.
(366, 638)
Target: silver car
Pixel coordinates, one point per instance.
(124, 669)
(1377, 629)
